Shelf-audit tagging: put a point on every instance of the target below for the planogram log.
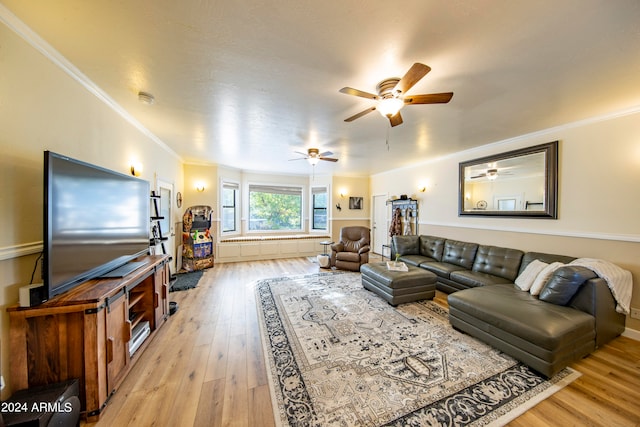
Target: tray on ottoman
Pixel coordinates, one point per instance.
(398, 287)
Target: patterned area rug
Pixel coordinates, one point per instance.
(338, 355)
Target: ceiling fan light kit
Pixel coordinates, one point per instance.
(389, 107)
(392, 96)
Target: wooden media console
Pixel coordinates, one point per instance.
(87, 333)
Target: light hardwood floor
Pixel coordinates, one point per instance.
(206, 368)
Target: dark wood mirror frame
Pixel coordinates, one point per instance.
(550, 176)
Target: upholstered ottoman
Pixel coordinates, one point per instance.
(398, 287)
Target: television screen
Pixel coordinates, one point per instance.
(95, 220)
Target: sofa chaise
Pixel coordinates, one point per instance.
(572, 314)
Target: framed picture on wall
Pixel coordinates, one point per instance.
(355, 202)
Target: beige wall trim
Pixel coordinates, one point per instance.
(16, 251)
(633, 238)
(18, 27)
(634, 334)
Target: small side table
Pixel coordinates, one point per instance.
(384, 249)
(326, 244)
(323, 258)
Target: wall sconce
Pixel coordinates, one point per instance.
(136, 169)
(343, 193)
(199, 187)
(422, 188)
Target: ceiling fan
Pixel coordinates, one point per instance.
(491, 174)
(392, 95)
(313, 156)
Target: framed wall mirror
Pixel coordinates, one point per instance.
(519, 183)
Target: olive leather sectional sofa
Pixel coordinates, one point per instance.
(574, 313)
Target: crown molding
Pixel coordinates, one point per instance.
(38, 43)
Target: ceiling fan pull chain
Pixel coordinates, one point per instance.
(388, 127)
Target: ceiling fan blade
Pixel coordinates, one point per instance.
(360, 114)
(299, 158)
(326, 153)
(395, 120)
(301, 153)
(356, 92)
(415, 73)
(329, 159)
(432, 98)
(479, 176)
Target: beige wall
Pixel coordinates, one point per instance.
(599, 199)
(206, 175)
(43, 108)
(342, 188)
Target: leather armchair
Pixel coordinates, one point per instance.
(353, 248)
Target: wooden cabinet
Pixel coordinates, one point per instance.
(86, 333)
(161, 294)
(118, 334)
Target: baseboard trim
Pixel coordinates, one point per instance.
(634, 334)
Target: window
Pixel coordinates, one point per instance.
(229, 207)
(319, 202)
(274, 207)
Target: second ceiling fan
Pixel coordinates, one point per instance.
(392, 95)
(313, 156)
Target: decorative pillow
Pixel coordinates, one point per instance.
(564, 284)
(543, 277)
(529, 274)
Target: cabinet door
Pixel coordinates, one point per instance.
(161, 294)
(118, 336)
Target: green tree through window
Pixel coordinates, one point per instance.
(275, 208)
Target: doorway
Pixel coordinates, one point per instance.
(379, 223)
(165, 190)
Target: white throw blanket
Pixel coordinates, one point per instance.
(619, 280)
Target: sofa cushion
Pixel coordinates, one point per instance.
(548, 258)
(415, 260)
(538, 323)
(442, 269)
(472, 279)
(405, 245)
(543, 277)
(564, 284)
(528, 276)
(432, 247)
(459, 253)
(496, 261)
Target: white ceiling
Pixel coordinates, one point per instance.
(245, 83)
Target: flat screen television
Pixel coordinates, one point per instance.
(95, 220)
